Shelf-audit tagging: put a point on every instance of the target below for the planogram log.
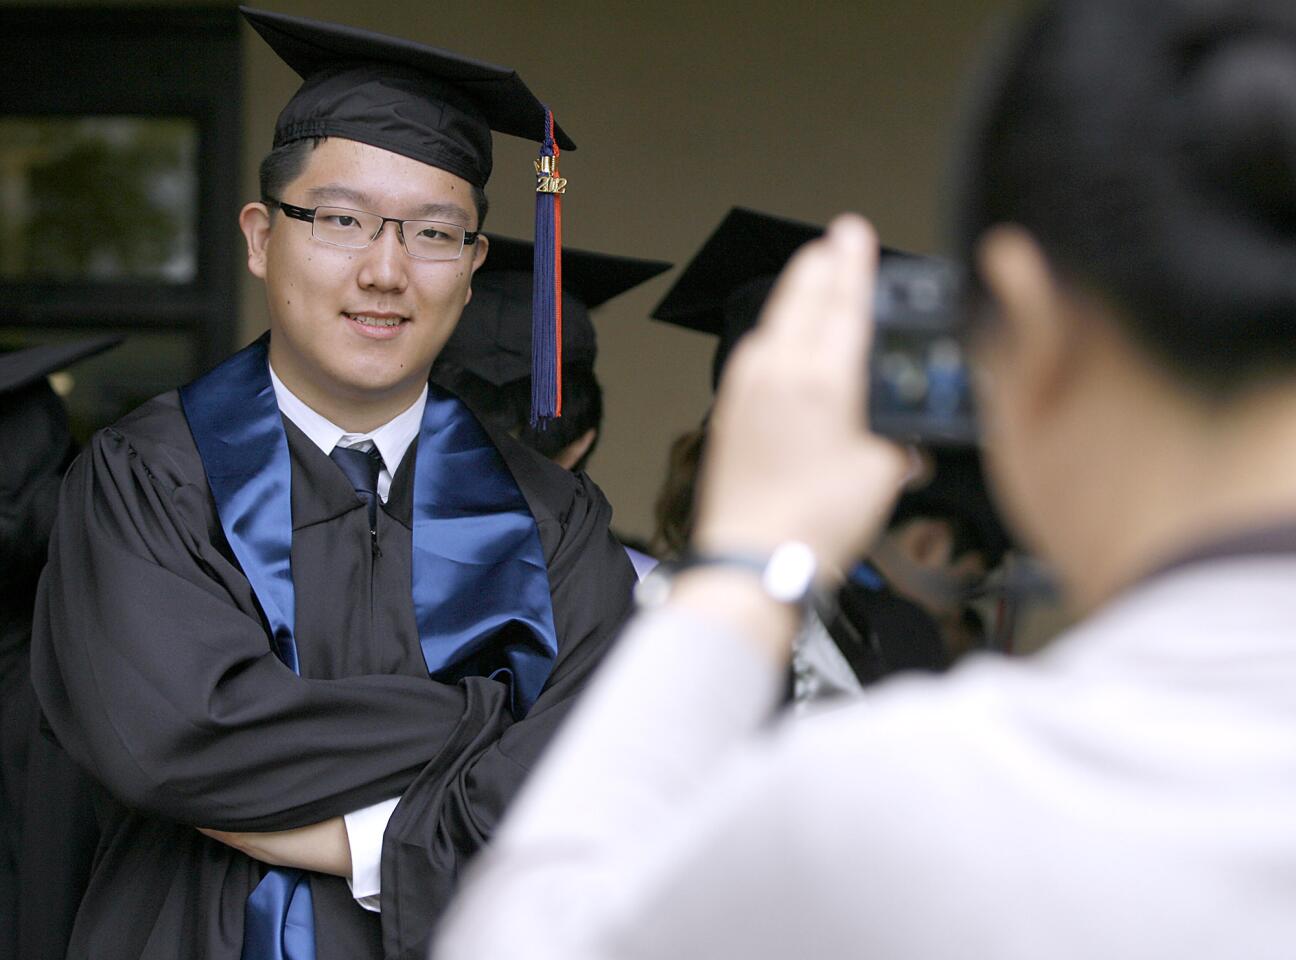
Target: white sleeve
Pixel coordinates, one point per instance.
(365, 829)
(645, 799)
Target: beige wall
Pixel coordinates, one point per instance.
(683, 110)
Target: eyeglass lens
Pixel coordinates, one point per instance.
(424, 239)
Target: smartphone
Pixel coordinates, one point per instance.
(920, 387)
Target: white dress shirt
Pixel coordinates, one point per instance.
(392, 439)
(1128, 793)
(365, 827)
(820, 671)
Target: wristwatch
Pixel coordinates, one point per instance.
(786, 575)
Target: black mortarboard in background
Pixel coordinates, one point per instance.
(493, 338)
(22, 368)
(37, 446)
(431, 105)
(745, 247)
(724, 286)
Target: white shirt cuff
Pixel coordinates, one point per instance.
(365, 829)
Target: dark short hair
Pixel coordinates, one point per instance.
(508, 407)
(1150, 148)
(282, 165)
(582, 410)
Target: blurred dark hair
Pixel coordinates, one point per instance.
(282, 165)
(1150, 147)
(508, 407)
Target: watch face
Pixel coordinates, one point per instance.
(790, 573)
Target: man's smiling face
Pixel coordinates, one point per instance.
(353, 332)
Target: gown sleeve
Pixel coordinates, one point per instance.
(448, 813)
(151, 663)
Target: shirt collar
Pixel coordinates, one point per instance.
(392, 439)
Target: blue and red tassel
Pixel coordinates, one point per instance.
(546, 295)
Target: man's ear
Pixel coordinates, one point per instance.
(1031, 308)
(928, 542)
(480, 249)
(254, 221)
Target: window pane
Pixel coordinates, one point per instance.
(100, 199)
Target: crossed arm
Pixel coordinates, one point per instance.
(321, 847)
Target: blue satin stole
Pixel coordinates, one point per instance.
(478, 568)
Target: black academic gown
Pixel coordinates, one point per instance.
(47, 823)
(880, 633)
(152, 662)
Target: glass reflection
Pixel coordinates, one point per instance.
(100, 199)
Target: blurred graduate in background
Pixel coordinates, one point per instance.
(487, 361)
(47, 826)
(907, 604)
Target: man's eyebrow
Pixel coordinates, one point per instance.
(444, 211)
(332, 192)
(336, 193)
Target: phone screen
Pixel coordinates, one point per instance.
(920, 386)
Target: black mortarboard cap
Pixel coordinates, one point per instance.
(493, 338)
(724, 286)
(747, 248)
(38, 446)
(431, 105)
(21, 368)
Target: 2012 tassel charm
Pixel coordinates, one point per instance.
(547, 179)
(546, 298)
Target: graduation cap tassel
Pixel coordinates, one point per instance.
(546, 300)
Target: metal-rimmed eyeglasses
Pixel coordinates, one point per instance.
(341, 227)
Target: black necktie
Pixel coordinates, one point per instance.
(361, 468)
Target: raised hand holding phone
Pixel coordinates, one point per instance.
(791, 456)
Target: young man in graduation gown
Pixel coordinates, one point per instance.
(306, 621)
